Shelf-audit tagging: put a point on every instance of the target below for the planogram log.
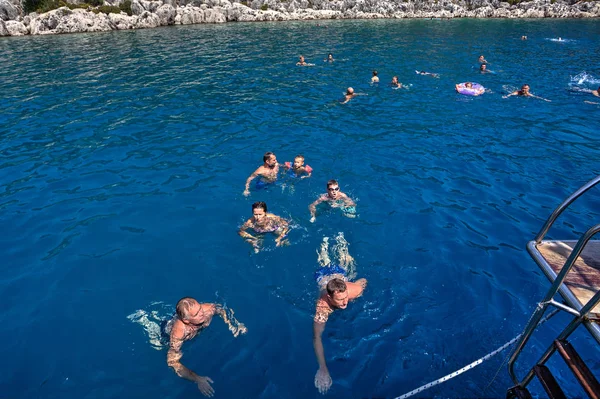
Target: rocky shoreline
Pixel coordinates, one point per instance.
(152, 14)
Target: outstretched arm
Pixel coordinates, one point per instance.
(174, 356)
(348, 201)
(541, 98)
(284, 228)
(322, 378)
(247, 236)
(313, 208)
(248, 180)
(235, 326)
(514, 93)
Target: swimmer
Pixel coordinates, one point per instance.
(523, 37)
(267, 171)
(375, 78)
(190, 319)
(301, 61)
(596, 92)
(483, 68)
(395, 82)
(524, 92)
(262, 222)
(350, 94)
(482, 60)
(329, 58)
(298, 167)
(335, 291)
(435, 75)
(334, 197)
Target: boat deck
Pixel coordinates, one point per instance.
(582, 281)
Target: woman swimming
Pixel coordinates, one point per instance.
(263, 222)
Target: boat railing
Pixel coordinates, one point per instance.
(572, 304)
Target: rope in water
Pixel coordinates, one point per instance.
(470, 366)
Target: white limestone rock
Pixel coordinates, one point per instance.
(122, 21)
(3, 30)
(137, 8)
(166, 13)
(147, 20)
(214, 16)
(16, 28)
(8, 11)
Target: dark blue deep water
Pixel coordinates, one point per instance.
(123, 158)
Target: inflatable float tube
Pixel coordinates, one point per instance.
(475, 90)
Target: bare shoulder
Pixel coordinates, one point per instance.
(355, 289)
(209, 308)
(323, 310)
(178, 330)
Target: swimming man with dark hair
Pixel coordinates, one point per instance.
(335, 292)
(524, 92)
(191, 318)
(267, 172)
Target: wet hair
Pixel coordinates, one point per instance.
(374, 73)
(335, 285)
(299, 156)
(332, 182)
(482, 66)
(261, 205)
(267, 156)
(183, 307)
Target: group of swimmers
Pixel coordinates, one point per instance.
(463, 88)
(333, 275)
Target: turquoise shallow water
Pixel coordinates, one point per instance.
(124, 157)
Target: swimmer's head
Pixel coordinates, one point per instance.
(330, 56)
(298, 161)
(469, 85)
(374, 73)
(270, 159)
(349, 91)
(333, 189)
(481, 58)
(259, 210)
(525, 88)
(395, 79)
(301, 58)
(337, 293)
(483, 67)
(189, 311)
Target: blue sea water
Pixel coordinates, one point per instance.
(123, 161)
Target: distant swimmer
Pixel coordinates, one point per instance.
(523, 37)
(524, 92)
(435, 75)
(335, 291)
(263, 222)
(596, 92)
(298, 169)
(267, 171)
(482, 60)
(483, 68)
(336, 199)
(375, 78)
(329, 58)
(301, 61)
(395, 82)
(190, 319)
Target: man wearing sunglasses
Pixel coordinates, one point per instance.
(336, 199)
(191, 318)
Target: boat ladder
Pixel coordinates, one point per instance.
(573, 268)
